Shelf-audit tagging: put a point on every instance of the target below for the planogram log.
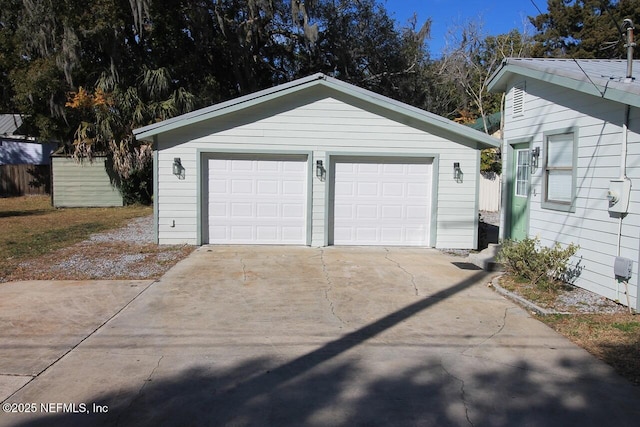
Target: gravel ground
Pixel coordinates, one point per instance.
(125, 253)
(492, 218)
(138, 231)
(583, 301)
(130, 253)
(573, 299)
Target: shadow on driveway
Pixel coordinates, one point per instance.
(320, 388)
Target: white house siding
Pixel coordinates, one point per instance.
(490, 192)
(598, 123)
(14, 152)
(323, 128)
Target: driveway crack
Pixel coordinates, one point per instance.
(413, 278)
(244, 269)
(493, 335)
(329, 288)
(463, 396)
(144, 384)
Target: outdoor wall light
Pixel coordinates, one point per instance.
(319, 169)
(178, 169)
(535, 157)
(457, 172)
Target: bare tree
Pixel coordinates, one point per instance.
(471, 57)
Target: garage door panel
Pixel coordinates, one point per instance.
(257, 201)
(367, 212)
(241, 166)
(343, 168)
(242, 210)
(267, 167)
(240, 233)
(217, 165)
(392, 212)
(417, 213)
(293, 188)
(344, 189)
(267, 210)
(392, 189)
(267, 233)
(268, 187)
(292, 211)
(341, 212)
(299, 167)
(392, 234)
(218, 186)
(367, 234)
(417, 169)
(218, 233)
(292, 234)
(241, 186)
(391, 204)
(367, 189)
(416, 190)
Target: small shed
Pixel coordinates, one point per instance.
(24, 162)
(316, 162)
(85, 183)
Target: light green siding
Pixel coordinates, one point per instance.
(322, 126)
(597, 123)
(85, 184)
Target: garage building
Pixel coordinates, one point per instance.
(316, 162)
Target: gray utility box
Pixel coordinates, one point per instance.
(622, 268)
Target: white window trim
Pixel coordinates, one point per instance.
(553, 204)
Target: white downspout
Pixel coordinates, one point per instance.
(623, 164)
(625, 140)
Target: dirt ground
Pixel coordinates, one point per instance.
(124, 253)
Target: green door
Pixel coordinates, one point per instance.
(520, 191)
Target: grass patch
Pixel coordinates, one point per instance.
(543, 297)
(626, 327)
(31, 227)
(613, 338)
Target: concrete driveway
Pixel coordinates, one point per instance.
(297, 336)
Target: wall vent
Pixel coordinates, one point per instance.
(518, 99)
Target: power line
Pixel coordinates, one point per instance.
(606, 8)
(587, 76)
(536, 6)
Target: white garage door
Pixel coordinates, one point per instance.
(382, 202)
(257, 200)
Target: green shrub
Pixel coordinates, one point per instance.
(542, 266)
(138, 186)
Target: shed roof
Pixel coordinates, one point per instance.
(317, 80)
(604, 78)
(9, 124)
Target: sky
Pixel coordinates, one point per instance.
(497, 16)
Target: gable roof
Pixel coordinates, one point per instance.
(9, 124)
(411, 113)
(604, 78)
(493, 123)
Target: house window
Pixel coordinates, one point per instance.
(518, 100)
(560, 171)
(522, 173)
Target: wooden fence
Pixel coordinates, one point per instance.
(490, 192)
(20, 180)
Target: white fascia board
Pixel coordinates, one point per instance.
(612, 90)
(484, 140)
(147, 132)
(426, 117)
